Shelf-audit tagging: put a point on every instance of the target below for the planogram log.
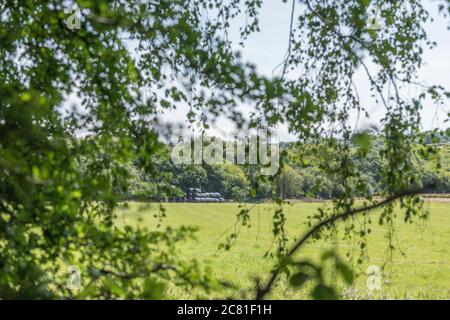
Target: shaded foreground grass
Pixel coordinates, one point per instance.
(420, 267)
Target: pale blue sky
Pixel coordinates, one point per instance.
(267, 48)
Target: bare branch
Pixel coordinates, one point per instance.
(288, 53)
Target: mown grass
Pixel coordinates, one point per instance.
(419, 268)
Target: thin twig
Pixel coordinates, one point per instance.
(262, 292)
(288, 53)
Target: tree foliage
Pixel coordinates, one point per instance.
(58, 192)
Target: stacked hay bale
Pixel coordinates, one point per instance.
(196, 195)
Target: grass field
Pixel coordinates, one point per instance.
(420, 267)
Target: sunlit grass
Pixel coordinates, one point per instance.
(420, 267)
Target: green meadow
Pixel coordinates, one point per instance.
(418, 269)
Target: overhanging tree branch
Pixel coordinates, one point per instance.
(261, 292)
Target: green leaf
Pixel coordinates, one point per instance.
(114, 287)
(345, 271)
(363, 141)
(323, 292)
(298, 279)
(153, 290)
(328, 254)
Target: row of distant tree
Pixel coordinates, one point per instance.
(300, 175)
